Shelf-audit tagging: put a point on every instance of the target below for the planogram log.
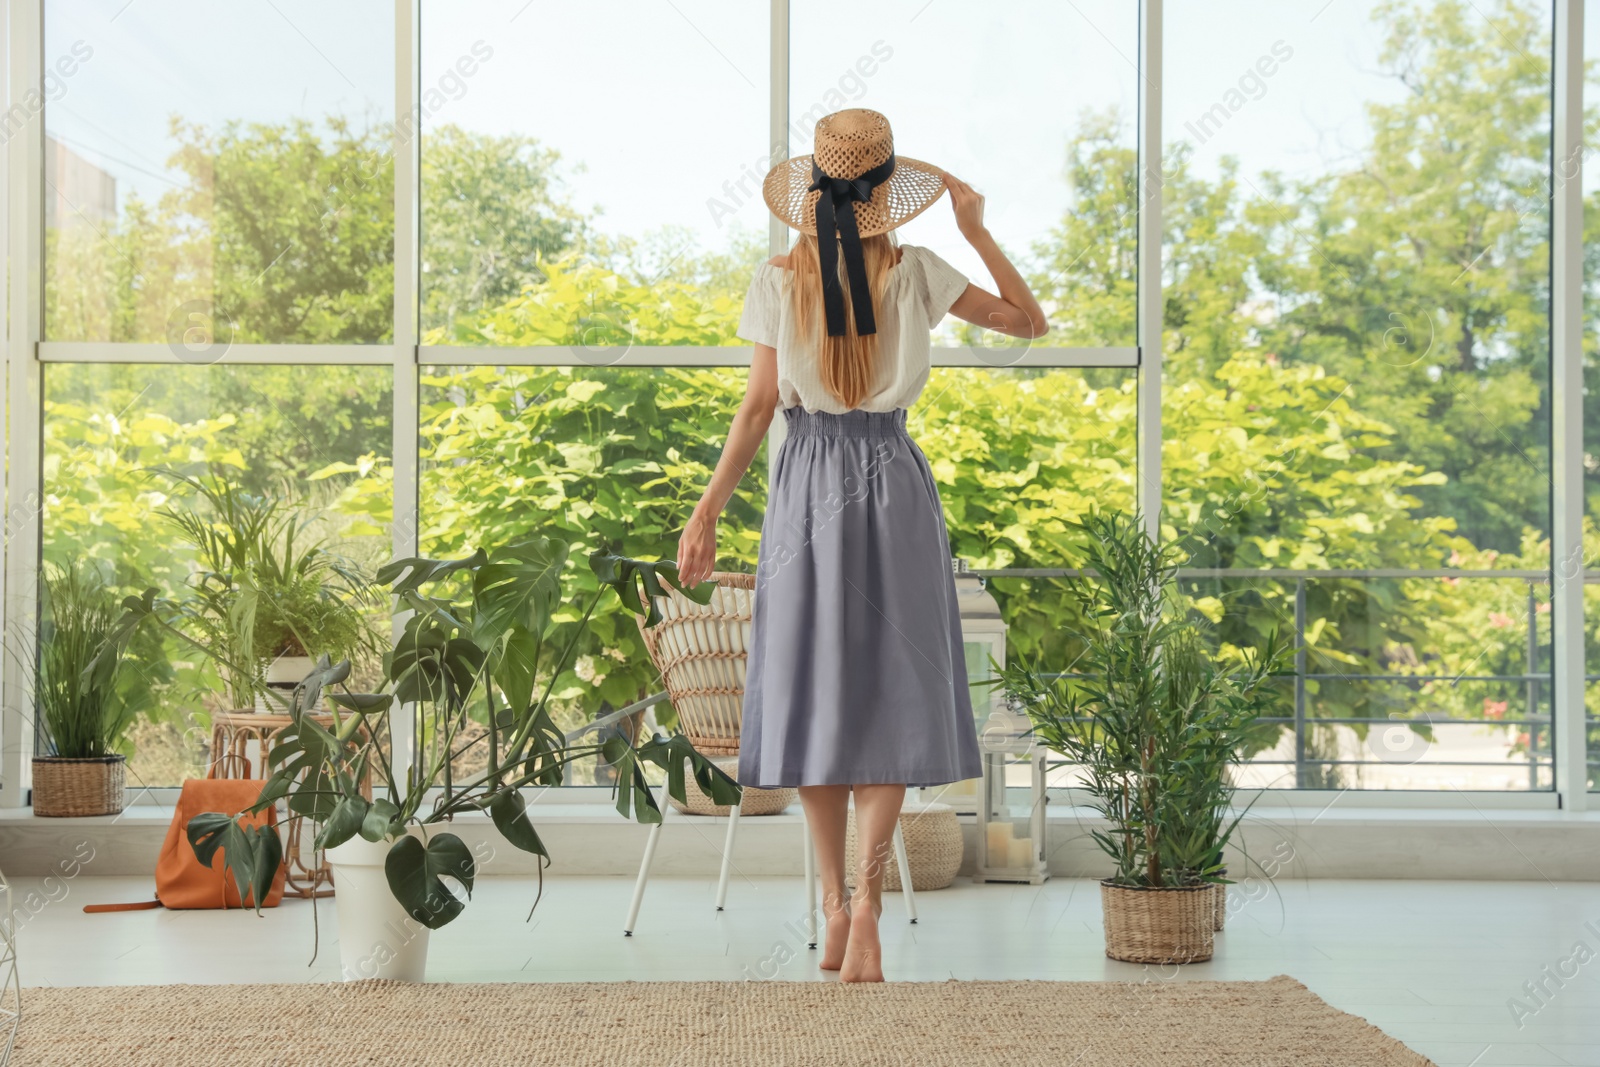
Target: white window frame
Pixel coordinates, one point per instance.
(21, 237)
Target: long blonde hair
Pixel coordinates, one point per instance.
(847, 365)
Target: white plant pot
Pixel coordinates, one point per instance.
(289, 670)
(283, 674)
(377, 939)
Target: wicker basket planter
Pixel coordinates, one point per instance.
(933, 848)
(1173, 925)
(74, 787)
(1220, 903)
(756, 801)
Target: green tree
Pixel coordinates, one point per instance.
(493, 207)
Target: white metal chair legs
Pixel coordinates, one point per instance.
(905, 872)
(727, 855)
(644, 866)
(808, 851)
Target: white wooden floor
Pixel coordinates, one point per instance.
(1436, 964)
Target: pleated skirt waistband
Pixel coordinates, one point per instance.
(858, 423)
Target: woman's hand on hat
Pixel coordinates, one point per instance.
(967, 203)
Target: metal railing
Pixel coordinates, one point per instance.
(1532, 679)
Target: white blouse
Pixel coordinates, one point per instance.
(920, 290)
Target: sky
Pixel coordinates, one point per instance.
(660, 107)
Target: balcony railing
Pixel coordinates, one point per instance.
(1306, 768)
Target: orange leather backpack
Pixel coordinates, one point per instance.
(182, 881)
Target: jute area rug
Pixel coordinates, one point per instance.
(1276, 1023)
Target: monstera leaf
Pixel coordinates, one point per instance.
(510, 814)
(344, 822)
(353, 816)
(634, 799)
(409, 575)
(519, 586)
(516, 668)
(416, 872)
(432, 662)
(626, 576)
(301, 765)
(323, 674)
(251, 852)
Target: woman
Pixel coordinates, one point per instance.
(856, 681)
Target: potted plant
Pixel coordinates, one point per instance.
(267, 595)
(305, 605)
(476, 639)
(84, 695)
(1155, 718)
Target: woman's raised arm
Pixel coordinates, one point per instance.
(1015, 311)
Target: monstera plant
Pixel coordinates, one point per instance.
(471, 673)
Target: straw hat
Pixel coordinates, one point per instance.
(848, 144)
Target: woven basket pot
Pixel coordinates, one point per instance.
(933, 848)
(1171, 925)
(72, 787)
(1220, 903)
(756, 801)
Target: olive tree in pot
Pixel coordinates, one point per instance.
(1156, 719)
(84, 695)
(479, 638)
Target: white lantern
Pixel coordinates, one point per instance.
(983, 635)
(1011, 842)
(1010, 837)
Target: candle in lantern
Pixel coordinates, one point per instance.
(1021, 852)
(999, 842)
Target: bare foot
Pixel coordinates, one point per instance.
(863, 954)
(838, 933)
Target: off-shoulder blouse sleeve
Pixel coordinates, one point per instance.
(943, 284)
(759, 322)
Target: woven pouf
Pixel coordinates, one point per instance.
(933, 848)
(756, 801)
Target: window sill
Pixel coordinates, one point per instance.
(591, 839)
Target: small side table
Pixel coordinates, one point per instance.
(232, 735)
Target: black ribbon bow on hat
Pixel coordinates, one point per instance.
(836, 210)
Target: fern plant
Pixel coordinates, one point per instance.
(265, 586)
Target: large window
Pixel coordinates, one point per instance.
(1356, 433)
(1034, 103)
(128, 453)
(608, 458)
(583, 167)
(1352, 292)
(219, 170)
(1591, 392)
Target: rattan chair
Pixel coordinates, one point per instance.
(701, 651)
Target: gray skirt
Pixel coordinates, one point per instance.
(856, 674)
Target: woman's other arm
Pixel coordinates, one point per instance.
(1015, 311)
(697, 548)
